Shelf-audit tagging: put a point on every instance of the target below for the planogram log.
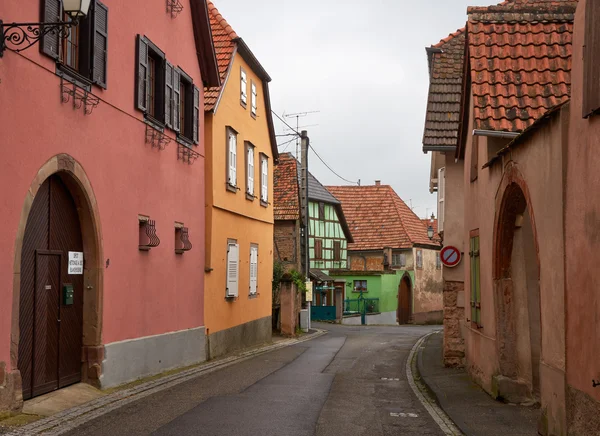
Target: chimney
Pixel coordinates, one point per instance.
(377, 182)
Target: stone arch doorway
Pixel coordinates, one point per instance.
(517, 292)
(59, 215)
(404, 311)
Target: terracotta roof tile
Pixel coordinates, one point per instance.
(445, 88)
(286, 203)
(378, 218)
(520, 60)
(224, 41)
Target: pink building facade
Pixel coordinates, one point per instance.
(99, 134)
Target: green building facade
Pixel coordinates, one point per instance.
(328, 246)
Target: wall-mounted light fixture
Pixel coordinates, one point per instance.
(20, 36)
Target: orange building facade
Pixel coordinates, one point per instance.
(240, 152)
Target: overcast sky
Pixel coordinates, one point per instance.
(363, 66)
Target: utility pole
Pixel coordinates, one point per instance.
(304, 143)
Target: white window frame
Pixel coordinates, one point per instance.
(232, 274)
(243, 87)
(419, 258)
(441, 198)
(253, 98)
(264, 180)
(232, 158)
(253, 286)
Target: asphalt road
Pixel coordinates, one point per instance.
(351, 381)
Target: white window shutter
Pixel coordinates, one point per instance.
(253, 99)
(264, 181)
(253, 270)
(250, 171)
(233, 261)
(232, 160)
(244, 92)
(441, 197)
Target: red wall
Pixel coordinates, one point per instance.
(145, 293)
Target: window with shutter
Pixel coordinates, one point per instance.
(231, 182)
(318, 249)
(591, 59)
(196, 115)
(249, 171)
(419, 259)
(83, 54)
(169, 94)
(253, 269)
(441, 193)
(264, 180)
(153, 71)
(253, 100)
(176, 100)
(100, 35)
(337, 251)
(243, 88)
(233, 260)
(49, 43)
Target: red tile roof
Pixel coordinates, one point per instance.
(520, 61)
(286, 203)
(224, 41)
(378, 218)
(445, 90)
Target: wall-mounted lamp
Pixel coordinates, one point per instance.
(430, 232)
(21, 36)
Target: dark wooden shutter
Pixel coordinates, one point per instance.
(141, 77)
(176, 98)
(168, 94)
(591, 59)
(318, 249)
(196, 118)
(51, 13)
(100, 44)
(337, 250)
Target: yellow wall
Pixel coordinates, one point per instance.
(229, 214)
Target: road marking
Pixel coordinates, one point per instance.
(438, 415)
(390, 379)
(403, 415)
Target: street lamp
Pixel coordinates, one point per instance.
(430, 232)
(21, 36)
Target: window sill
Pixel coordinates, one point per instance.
(242, 104)
(73, 76)
(231, 188)
(149, 119)
(253, 115)
(250, 197)
(184, 140)
(231, 299)
(264, 203)
(358, 292)
(253, 296)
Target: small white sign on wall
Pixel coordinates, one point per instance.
(75, 262)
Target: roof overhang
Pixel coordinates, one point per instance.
(205, 50)
(320, 276)
(442, 148)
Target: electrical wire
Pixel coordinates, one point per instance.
(331, 169)
(314, 151)
(286, 142)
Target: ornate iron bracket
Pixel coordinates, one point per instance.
(20, 36)
(156, 138)
(81, 97)
(148, 232)
(186, 154)
(182, 240)
(174, 7)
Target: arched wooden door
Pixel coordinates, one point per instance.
(404, 301)
(50, 315)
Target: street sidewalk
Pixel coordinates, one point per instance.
(71, 418)
(469, 406)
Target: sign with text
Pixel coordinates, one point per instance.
(309, 291)
(75, 262)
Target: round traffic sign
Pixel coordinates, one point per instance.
(450, 256)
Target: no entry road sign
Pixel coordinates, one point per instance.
(450, 256)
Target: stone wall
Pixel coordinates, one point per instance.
(286, 244)
(454, 344)
(366, 261)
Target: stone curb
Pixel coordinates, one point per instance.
(72, 418)
(424, 392)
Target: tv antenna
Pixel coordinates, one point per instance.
(299, 115)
